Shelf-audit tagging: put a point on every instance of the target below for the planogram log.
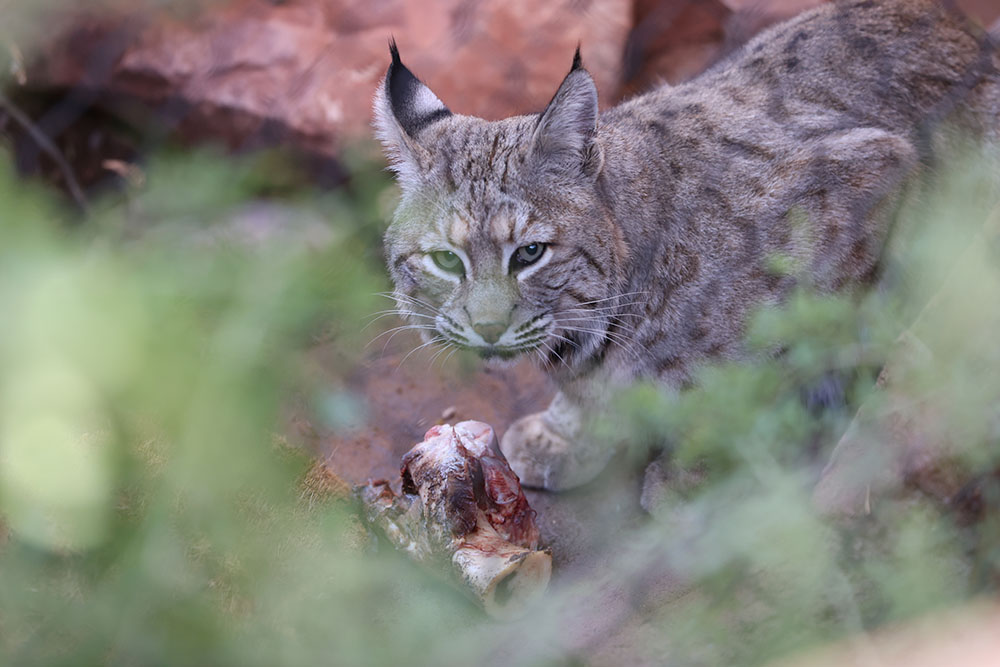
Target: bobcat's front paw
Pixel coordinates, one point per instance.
(544, 459)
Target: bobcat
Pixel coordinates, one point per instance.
(635, 242)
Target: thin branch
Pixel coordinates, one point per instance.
(47, 145)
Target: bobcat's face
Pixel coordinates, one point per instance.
(500, 243)
(501, 276)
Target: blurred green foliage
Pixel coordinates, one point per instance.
(152, 518)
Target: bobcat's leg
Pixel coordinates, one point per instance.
(549, 450)
(857, 184)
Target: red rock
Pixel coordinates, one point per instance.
(302, 72)
(983, 11)
(305, 70)
(672, 41)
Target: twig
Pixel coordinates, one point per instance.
(17, 64)
(46, 144)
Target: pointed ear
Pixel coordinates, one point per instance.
(403, 107)
(564, 138)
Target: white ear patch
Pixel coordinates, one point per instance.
(425, 103)
(403, 107)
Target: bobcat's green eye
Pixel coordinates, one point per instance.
(448, 261)
(527, 255)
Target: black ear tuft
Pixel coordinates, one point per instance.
(394, 52)
(577, 60)
(413, 104)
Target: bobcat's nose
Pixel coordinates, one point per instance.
(490, 331)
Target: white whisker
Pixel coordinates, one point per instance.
(553, 352)
(402, 314)
(565, 339)
(609, 298)
(410, 300)
(436, 339)
(454, 349)
(444, 348)
(393, 332)
(620, 340)
(619, 325)
(403, 327)
(606, 309)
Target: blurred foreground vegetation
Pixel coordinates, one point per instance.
(152, 516)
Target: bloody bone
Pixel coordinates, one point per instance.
(462, 507)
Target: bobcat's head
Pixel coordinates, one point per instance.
(502, 241)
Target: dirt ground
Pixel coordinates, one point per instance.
(405, 398)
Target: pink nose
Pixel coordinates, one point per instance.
(490, 331)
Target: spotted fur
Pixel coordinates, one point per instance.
(660, 216)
